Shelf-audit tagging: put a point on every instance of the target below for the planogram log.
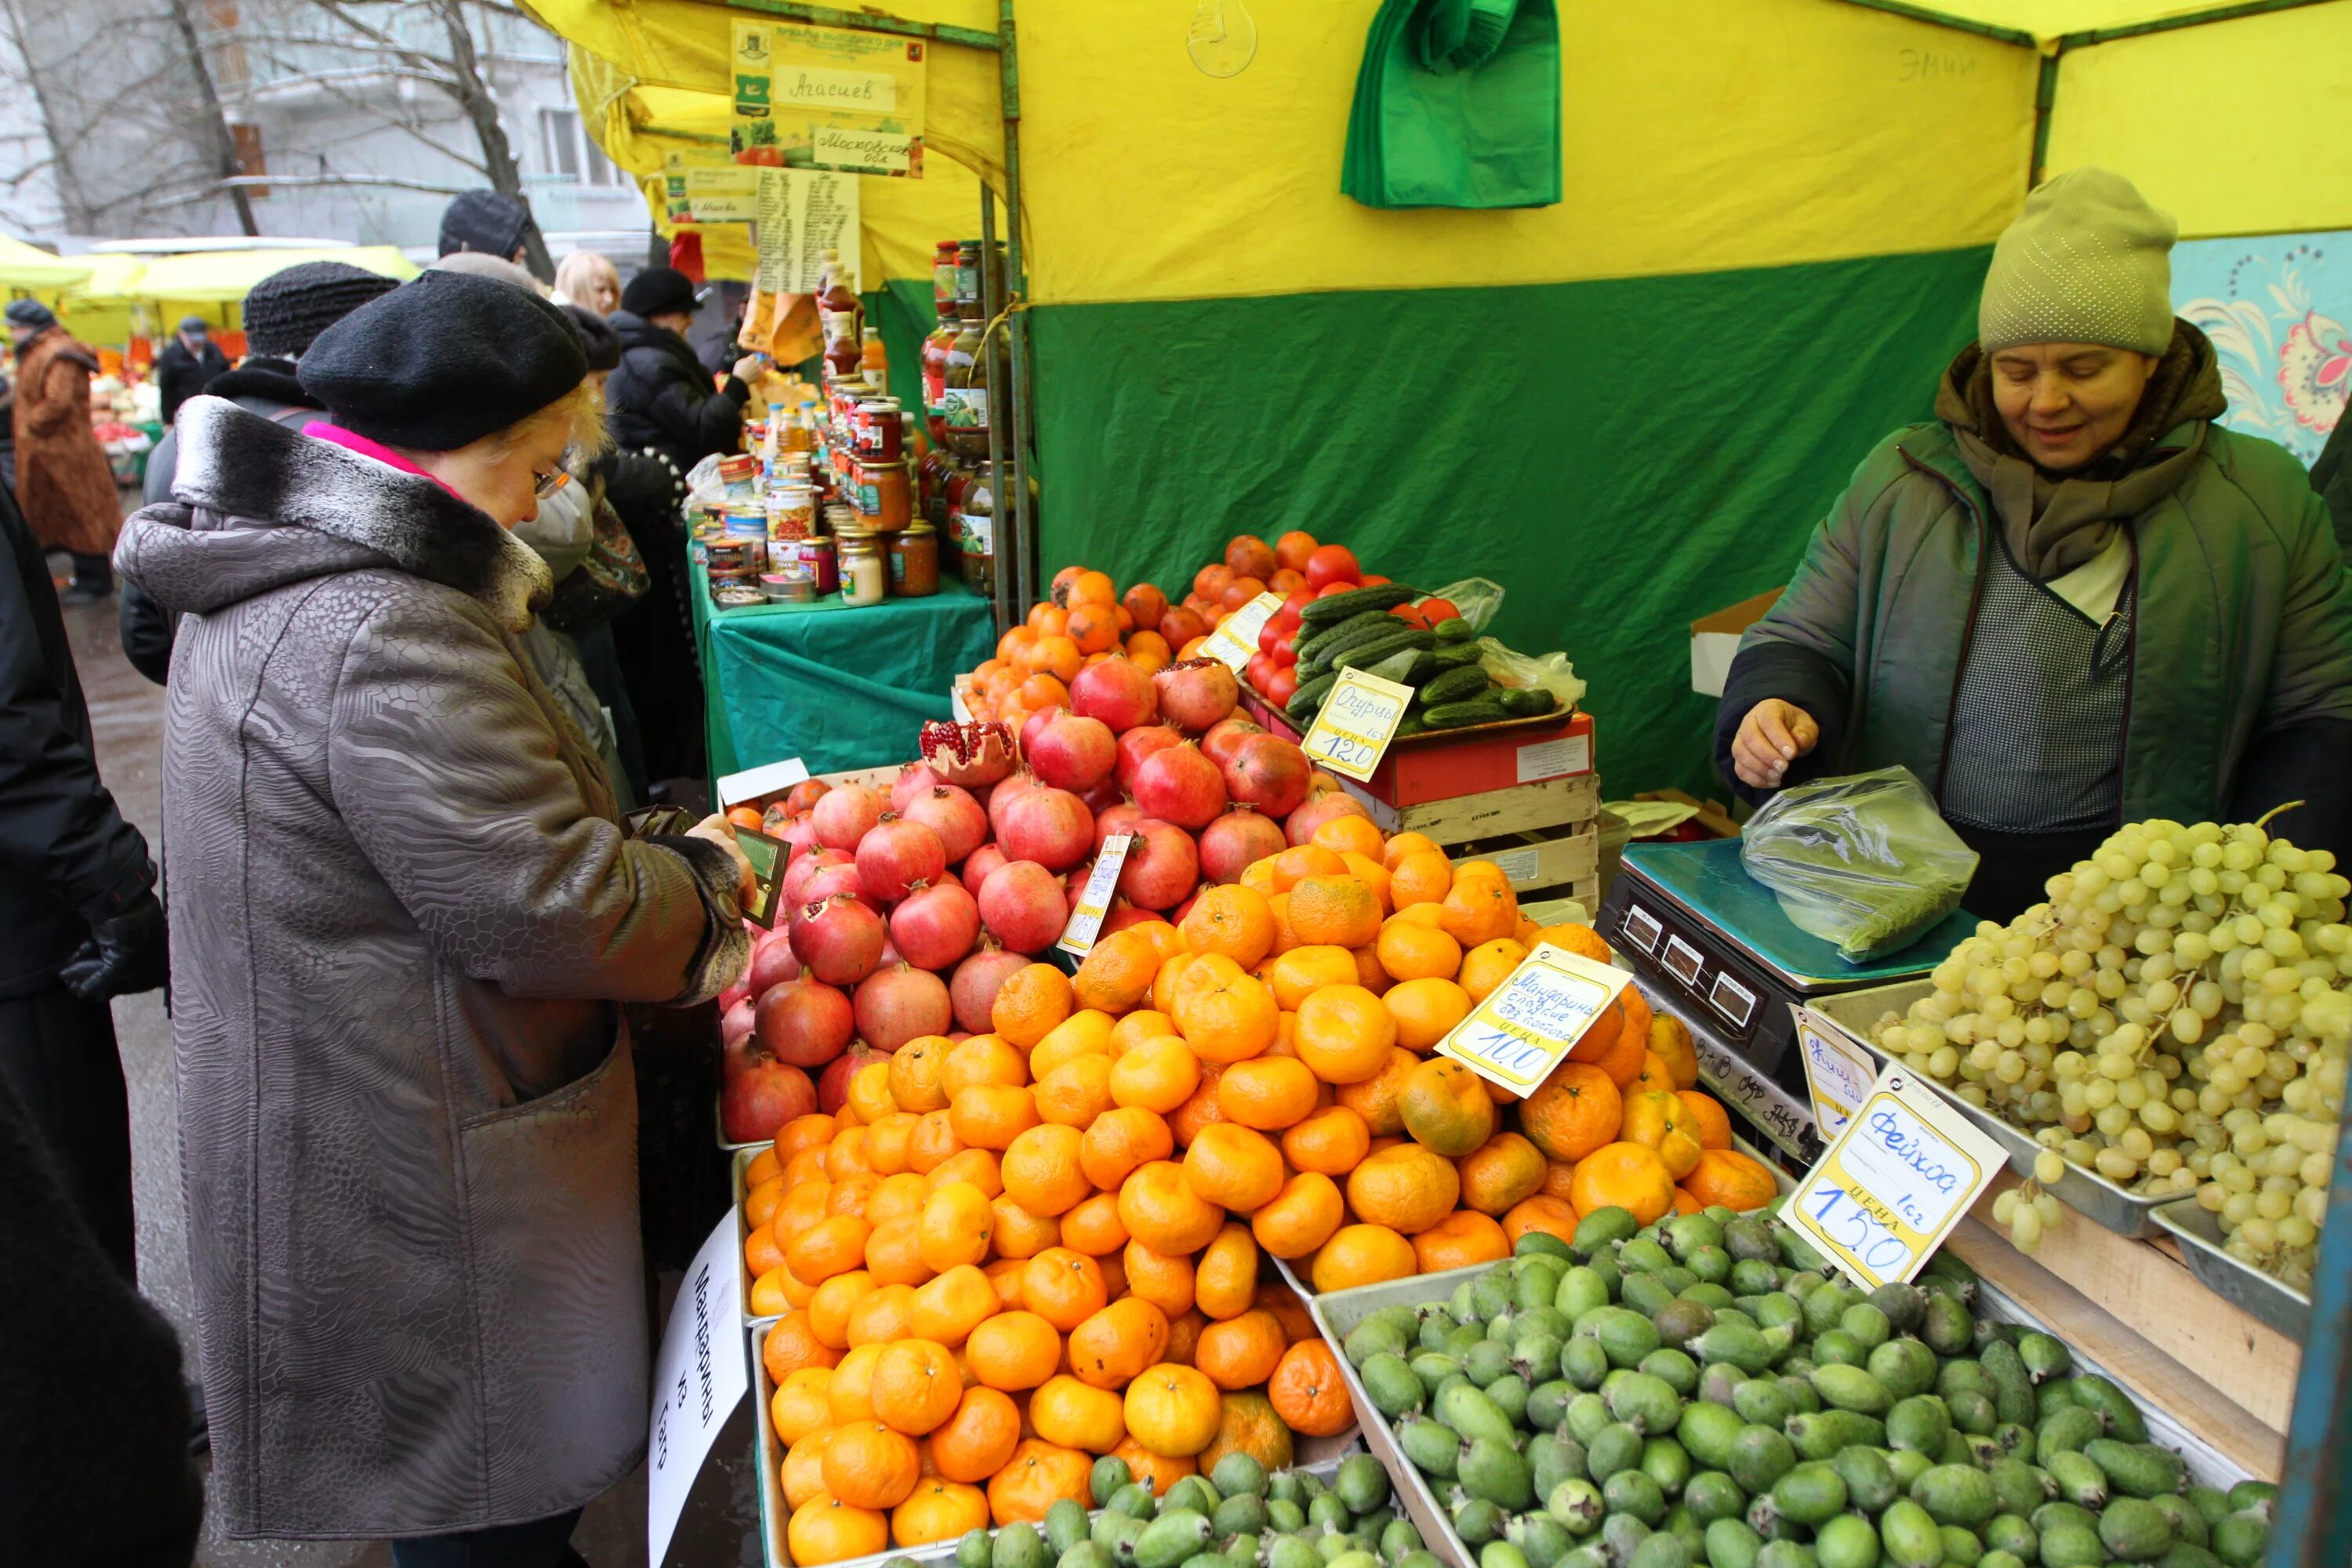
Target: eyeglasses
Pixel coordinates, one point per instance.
(545, 485)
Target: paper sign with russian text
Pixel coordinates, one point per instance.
(1895, 1184)
(1235, 643)
(698, 1375)
(1838, 1073)
(1094, 899)
(1533, 1019)
(1358, 719)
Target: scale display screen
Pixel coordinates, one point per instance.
(1683, 962)
(1641, 929)
(1733, 1000)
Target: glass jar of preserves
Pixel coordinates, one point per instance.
(865, 575)
(914, 562)
(971, 522)
(965, 400)
(943, 277)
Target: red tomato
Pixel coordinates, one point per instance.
(1405, 612)
(1285, 650)
(1269, 633)
(1331, 588)
(1374, 580)
(1281, 687)
(1259, 670)
(1332, 564)
(1435, 610)
(1298, 602)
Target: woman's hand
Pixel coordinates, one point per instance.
(719, 831)
(1774, 734)
(746, 369)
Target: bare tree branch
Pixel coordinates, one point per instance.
(391, 182)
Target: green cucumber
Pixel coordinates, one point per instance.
(1458, 684)
(1314, 640)
(1339, 606)
(1455, 715)
(1526, 702)
(1351, 635)
(1307, 700)
(1455, 631)
(1366, 653)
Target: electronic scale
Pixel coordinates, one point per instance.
(1713, 948)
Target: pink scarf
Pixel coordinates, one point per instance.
(352, 440)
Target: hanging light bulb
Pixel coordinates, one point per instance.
(1222, 39)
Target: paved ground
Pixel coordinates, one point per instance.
(127, 713)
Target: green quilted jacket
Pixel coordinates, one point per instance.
(2243, 621)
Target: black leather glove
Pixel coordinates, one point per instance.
(125, 954)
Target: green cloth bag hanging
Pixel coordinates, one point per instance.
(1457, 105)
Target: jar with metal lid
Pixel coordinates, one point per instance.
(886, 497)
(974, 526)
(943, 276)
(815, 556)
(865, 575)
(879, 434)
(914, 562)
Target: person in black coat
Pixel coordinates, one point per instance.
(187, 365)
(76, 899)
(661, 398)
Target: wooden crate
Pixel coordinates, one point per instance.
(1546, 836)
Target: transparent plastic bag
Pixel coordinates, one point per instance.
(1479, 600)
(1865, 861)
(1552, 671)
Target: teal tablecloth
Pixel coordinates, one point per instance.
(834, 685)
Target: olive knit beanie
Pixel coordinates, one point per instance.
(2088, 261)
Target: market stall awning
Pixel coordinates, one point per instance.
(228, 275)
(25, 266)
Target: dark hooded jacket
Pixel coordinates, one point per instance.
(661, 397)
(181, 373)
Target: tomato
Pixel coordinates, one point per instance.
(1296, 603)
(1408, 614)
(1258, 670)
(1269, 633)
(1281, 687)
(1284, 649)
(1435, 610)
(1331, 588)
(1332, 564)
(1374, 580)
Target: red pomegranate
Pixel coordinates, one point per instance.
(954, 816)
(1074, 883)
(914, 780)
(1184, 911)
(1301, 824)
(1001, 798)
(838, 938)
(760, 1099)
(800, 832)
(1117, 691)
(1197, 693)
(1182, 786)
(1071, 753)
(737, 992)
(899, 1004)
(824, 883)
(1119, 818)
(895, 855)
(973, 987)
(1052, 827)
(804, 866)
(1235, 841)
(804, 1022)
(772, 963)
(1163, 867)
(847, 814)
(1226, 737)
(773, 820)
(801, 798)
(1103, 796)
(979, 864)
(970, 754)
(1137, 744)
(833, 1085)
(934, 927)
(735, 1023)
(1022, 906)
(1270, 773)
(1031, 728)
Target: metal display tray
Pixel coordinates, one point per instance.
(2087, 1193)
(736, 1167)
(2242, 1285)
(719, 1130)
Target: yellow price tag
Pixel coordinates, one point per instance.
(1094, 898)
(1235, 643)
(1534, 1019)
(1358, 719)
(1900, 1176)
(1838, 1072)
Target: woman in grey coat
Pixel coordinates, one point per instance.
(403, 911)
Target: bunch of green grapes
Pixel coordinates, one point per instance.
(2176, 1017)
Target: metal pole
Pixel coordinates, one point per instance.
(1004, 507)
(2312, 1527)
(1017, 285)
(2045, 98)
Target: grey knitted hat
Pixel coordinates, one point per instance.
(287, 310)
(2088, 261)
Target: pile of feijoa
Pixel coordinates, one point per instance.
(1708, 1391)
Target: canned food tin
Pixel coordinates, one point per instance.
(737, 595)
(739, 469)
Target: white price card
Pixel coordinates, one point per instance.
(1094, 898)
(755, 784)
(1838, 1073)
(1895, 1183)
(1359, 719)
(1235, 643)
(1534, 1019)
(699, 1374)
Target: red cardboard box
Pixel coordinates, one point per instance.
(1423, 768)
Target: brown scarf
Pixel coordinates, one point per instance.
(2054, 522)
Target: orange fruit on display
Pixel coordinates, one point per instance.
(771, 1294)
(1164, 1280)
(1344, 1034)
(1713, 1122)
(1094, 629)
(956, 1226)
(1670, 1041)
(916, 1386)
(897, 1197)
(1638, 1018)
(1078, 1414)
(870, 1096)
(1426, 1010)
(1118, 1141)
(1338, 910)
(1303, 971)
(1727, 1177)
(1183, 1335)
(828, 1248)
(1013, 1349)
(886, 1314)
(1074, 1093)
(867, 1465)
(1093, 1227)
(1089, 588)
(1269, 1093)
(1300, 861)
(1375, 1098)
(1028, 1006)
(1022, 1233)
(894, 1252)
(974, 1443)
(983, 1058)
(1654, 1077)
(1488, 964)
(1362, 1255)
(1241, 1352)
(1161, 1209)
(829, 1308)
(1228, 1019)
(1143, 1024)
(1500, 1173)
(1620, 1050)
(1309, 1392)
(1410, 950)
(1233, 921)
(1247, 1424)
(800, 1407)
(1350, 835)
(1626, 1176)
(1406, 1188)
(887, 1140)
(1420, 877)
(1480, 906)
(800, 1209)
(1369, 972)
(827, 1529)
(1158, 1074)
(792, 1345)
(1572, 1113)
(1330, 1143)
(803, 1475)
(1301, 1217)
(1158, 1471)
(978, 1166)
(1551, 1215)
(991, 1115)
(1445, 1108)
(1234, 1167)
(1659, 1120)
(1297, 1322)
(1085, 1032)
(814, 1130)
(949, 1307)
(1172, 1409)
(1114, 1346)
(1115, 974)
(1040, 1170)
(1038, 1475)
(1461, 1239)
(850, 1392)
(1005, 1275)
(941, 1509)
(1063, 1287)
(760, 1203)
(1224, 1281)
(933, 1139)
(765, 1166)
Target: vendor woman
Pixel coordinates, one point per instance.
(2071, 600)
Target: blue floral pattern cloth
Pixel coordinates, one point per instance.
(2276, 307)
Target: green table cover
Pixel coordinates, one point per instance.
(834, 685)
(1457, 105)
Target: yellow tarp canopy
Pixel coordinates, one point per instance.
(25, 266)
(223, 275)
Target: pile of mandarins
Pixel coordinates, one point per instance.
(1009, 1253)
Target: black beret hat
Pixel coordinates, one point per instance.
(658, 290)
(486, 221)
(286, 311)
(443, 361)
(598, 341)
